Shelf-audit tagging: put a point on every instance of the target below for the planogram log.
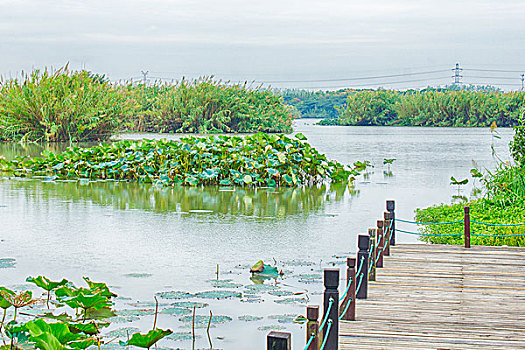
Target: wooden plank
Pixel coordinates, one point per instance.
(443, 297)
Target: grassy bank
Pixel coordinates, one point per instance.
(503, 203)
(444, 108)
(78, 106)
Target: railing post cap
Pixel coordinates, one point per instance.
(372, 232)
(380, 223)
(386, 215)
(363, 242)
(312, 312)
(467, 209)
(390, 205)
(331, 278)
(350, 262)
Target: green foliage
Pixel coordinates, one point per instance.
(146, 340)
(480, 210)
(373, 107)
(517, 146)
(432, 108)
(207, 106)
(59, 106)
(45, 283)
(65, 331)
(82, 106)
(255, 160)
(318, 104)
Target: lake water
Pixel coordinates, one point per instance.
(142, 240)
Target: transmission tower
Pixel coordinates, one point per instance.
(522, 82)
(145, 76)
(457, 74)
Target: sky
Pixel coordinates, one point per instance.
(283, 43)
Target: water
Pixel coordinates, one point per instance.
(173, 239)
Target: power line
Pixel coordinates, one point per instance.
(375, 84)
(485, 77)
(494, 70)
(352, 79)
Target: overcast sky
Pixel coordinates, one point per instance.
(270, 40)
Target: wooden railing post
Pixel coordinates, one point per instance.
(386, 217)
(279, 341)
(331, 283)
(380, 243)
(466, 221)
(391, 207)
(349, 312)
(362, 260)
(372, 262)
(312, 327)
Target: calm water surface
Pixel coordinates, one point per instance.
(143, 240)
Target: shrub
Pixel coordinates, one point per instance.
(59, 106)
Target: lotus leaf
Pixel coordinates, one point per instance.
(217, 294)
(146, 340)
(176, 311)
(291, 301)
(174, 295)
(271, 328)
(286, 318)
(249, 318)
(122, 332)
(6, 263)
(45, 283)
(203, 320)
(189, 304)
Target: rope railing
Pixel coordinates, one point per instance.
(360, 281)
(429, 234)
(345, 309)
(326, 335)
(346, 291)
(496, 235)
(500, 225)
(430, 223)
(325, 318)
(312, 337)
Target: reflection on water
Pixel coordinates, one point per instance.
(12, 149)
(233, 201)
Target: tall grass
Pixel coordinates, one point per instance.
(433, 108)
(207, 106)
(79, 106)
(60, 106)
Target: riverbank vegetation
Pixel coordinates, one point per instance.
(447, 108)
(78, 106)
(503, 202)
(255, 160)
(452, 106)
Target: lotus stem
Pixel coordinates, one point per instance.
(208, 330)
(48, 296)
(156, 312)
(193, 324)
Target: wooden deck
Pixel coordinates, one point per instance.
(442, 297)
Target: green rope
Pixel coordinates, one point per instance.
(359, 283)
(360, 265)
(326, 314)
(346, 291)
(309, 342)
(326, 335)
(430, 223)
(346, 308)
(429, 234)
(503, 235)
(504, 225)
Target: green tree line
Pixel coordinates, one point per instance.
(78, 106)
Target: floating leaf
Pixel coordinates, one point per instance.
(146, 340)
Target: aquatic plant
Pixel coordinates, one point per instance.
(432, 108)
(207, 106)
(255, 160)
(48, 331)
(60, 106)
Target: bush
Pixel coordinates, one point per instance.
(60, 106)
(517, 145)
(208, 106)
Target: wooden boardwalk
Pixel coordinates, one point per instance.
(442, 297)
